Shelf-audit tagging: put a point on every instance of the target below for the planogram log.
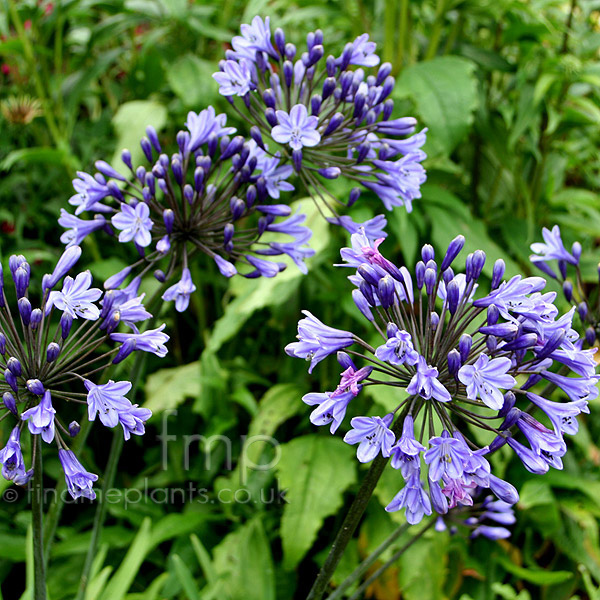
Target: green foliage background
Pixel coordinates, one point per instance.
(510, 93)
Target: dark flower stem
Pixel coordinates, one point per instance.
(37, 518)
(350, 522)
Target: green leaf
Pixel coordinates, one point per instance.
(36, 155)
(130, 122)
(190, 78)
(121, 581)
(168, 388)
(533, 575)
(185, 578)
(244, 563)
(423, 568)
(445, 93)
(315, 470)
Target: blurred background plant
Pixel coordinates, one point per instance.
(510, 92)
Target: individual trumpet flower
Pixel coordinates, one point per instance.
(53, 345)
(217, 195)
(329, 116)
(461, 358)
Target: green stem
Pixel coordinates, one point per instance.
(108, 483)
(365, 564)
(359, 592)
(434, 40)
(402, 38)
(348, 528)
(37, 516)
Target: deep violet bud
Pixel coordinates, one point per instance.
(434, 320)
(328, 87)
(384, 71)
(256, 135)
(52, 352)
(10, 403)
(454, 362)
(271, 117)
(334, 123)
(21, 279)
(508, 404)
(430, 279)
(345, 361)
(315, 55)
(330, 172)
(427, 253)
(590, 336)
(279, 38)
(297, 160)
(169, 219)
(315, 104)
(504, 490)
(35, 386)
(117, 279)
(126, 158)
(11, 380)
(464, 346)
(66, 322)
(582, 310)
(498, 273)
(2, 344)
(576, 251)
(36, 318)
(153, 137)
(74, 428)
(568, 290)
(160, 275)
(290, 51)
(24, 310)
(388, 109)
(369, 274)
(146, 149)
(14, 366)
(453, 295)
(354, 196)
(386, 291)
(455, 246)
(493, 314)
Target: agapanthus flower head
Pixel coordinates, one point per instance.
(52, 345)
(464, 360)
(329, 116)
(215, 194)
(553, 259)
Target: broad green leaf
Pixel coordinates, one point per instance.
(130, 122)
(244, 564)
(315, 470)
(204, 559)
(190, 78)
(445, 93)
(35, 155)
(168, 388)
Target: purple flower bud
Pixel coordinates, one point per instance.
(74, 428)
(354, 196)
(420, 274)
(502, 330)
(36, 318)
(24, 310)
(369, 274)
(388, 108)
(66, 322)
(177, 169)
(362, 151)
(448, 275)
(153, 137)
(582, 310)
(10, 403)
(213, 142)
(503, 490)
(531, 461)
(199, 174)
(478, 263)
(359, 103)
(21, 278)
(453, 295)
(334, 123)
(297, 160)
(315, 55)
(2, 344)
(14, 366)
(562, 267)
(237, 206)
(288, 73)
(15, 261)
(159, 275)
(454, 362)
(362, 304)
(427, 253)
(576, 251)
(498, 273)
(279, 38)
(315, 104)
(115, 191)
(52, 352)
(290, 51)
(512, 416)
(367, 291)
(271, 117)
(11, 380)
(68, 259)
(330, 66)
(140, 173)
(330, 172)
(434, 320)
(455, 246)
(590, 336)
(464, 346)
(531, 381)
(117, 279)
(188, 193)
(35, 386)
(169, 219)
(256, 135)
(126, 158)
(430, 279)
(491, 343)
(346, 56)
(493, 314)
(386, 291)
(329, 86)
(233, 147)
(568, 290)
(508, 403)
(388, 86)
(146, 148)
(497, 443)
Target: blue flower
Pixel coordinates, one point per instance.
(79, 481)
(446, 456)
(372, 434)
(107, 400)
(40, 418)
(561, 414)
(181, 291)
(91, 190)
(552, 248)
(78, 229)
(425, 383)
(11, 458)
(413, 498)
(362, 52)
(398, 349)
(135, 224)
(485, 377)
(234, 79)
(329, 409)
(255, 38)
(296, 128)
(133, 419)
(76, 298)
(151, 340)
(317, 340)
